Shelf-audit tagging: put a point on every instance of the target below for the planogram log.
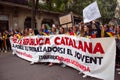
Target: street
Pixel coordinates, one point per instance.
(15, 68)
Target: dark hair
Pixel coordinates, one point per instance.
(63, 30)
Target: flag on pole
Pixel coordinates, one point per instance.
(91, 12)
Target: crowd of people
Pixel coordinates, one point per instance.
(93, 29)
(4, 41)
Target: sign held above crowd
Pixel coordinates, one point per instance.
(91, 12)
(68, 20)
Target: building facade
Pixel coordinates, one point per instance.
(18, 16)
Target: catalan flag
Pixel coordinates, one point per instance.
(73, 33)
(93, 35)
(45, 34)
(110, 33)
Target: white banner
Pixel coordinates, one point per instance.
(91, 12)
(93, 57)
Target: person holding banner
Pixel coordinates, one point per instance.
(79, 28)
(31, 32)
(61, 30)
(74, 31)
(53, 32)
(118, 48)
(40, 32)
(118, 53)
(26, 32)
(45, 30)
(85, 31)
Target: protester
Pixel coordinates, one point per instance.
(40, 32)
(68, 30)
(117, 32)
(45, 30)
(26, 32)
(74, 31)
(57, 28)
(31, 32)
(118, 48)
(8, 40)
(36, 32)
(93, 29)
(108, 31)
(79, 28)
(53, 32)
(96, 29)
(61, 30)
(1, 42)
(4, 42)
(85, 31)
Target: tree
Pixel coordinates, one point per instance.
(107, 7)
(34, 11)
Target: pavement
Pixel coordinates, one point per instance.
(15, 68)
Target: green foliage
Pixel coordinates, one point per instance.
(107, 7)
(54, 5)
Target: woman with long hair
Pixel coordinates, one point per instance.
(61, 30)
(85, 31)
